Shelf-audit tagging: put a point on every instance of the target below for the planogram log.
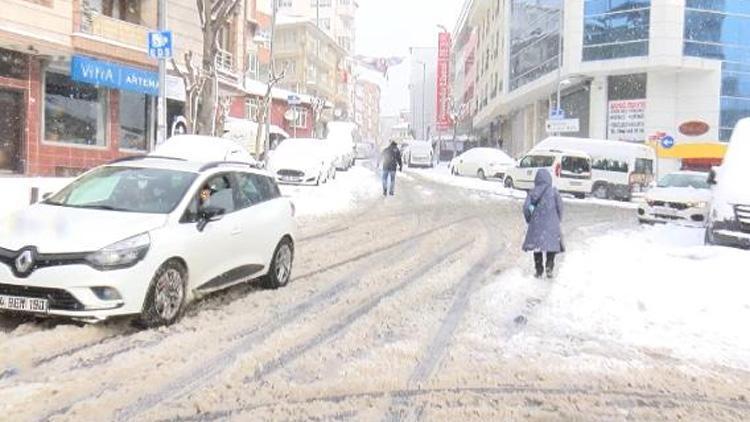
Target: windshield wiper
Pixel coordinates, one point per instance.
(100, 207)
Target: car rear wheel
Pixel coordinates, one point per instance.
(601, 191)
(281, 266)
(509, 183)
(454, 171)
(481, 175)
(165, 300)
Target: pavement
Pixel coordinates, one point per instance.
(385, 319)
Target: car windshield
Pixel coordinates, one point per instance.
(129, 189)
(682, 180)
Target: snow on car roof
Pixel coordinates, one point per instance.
(177, 164)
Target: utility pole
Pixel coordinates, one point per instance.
(424, 86)
(161, 102)
(560, 54)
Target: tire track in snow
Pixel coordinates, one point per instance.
(246, 340)
(344, 323)
(629, 399)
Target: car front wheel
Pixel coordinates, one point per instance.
(508, 183)
(280, 271)
(481, 175)
(165, 300)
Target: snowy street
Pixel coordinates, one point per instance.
(421, 306)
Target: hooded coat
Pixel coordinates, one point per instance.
(543, 212)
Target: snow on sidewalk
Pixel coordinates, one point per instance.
(337, 196)
(653, 290)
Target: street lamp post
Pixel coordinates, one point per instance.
(424, 85)
(559, 54)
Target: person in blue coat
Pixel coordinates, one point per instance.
(543, 210)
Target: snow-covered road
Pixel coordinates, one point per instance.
(419, 307)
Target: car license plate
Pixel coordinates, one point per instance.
(666, 211)
(24, 304)
(576, 184)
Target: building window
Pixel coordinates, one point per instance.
(345, 2)
(124, 10)
(719, 30)
(252, 107)
(13, 65)
(321, 3)
(253, 65)
(285, 3)
(325, 23)
(614, 29)
(301, 121)
(135, 119)
(73, 113)
(534, 40)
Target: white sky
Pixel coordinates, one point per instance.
(389, 27)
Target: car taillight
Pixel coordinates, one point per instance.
(558, 170)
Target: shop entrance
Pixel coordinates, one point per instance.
(11, 130)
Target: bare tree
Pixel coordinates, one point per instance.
(264, 111)
(204, 111)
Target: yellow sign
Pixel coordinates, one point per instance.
(683, 150)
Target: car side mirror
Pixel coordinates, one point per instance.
(711, 178)
(209, 214)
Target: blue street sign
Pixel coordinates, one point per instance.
(113, 75)
(160, 44)
(293, 100)
(667, 142)
(557, 114)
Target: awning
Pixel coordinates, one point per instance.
(683, 150)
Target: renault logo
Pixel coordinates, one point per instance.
(25, 261)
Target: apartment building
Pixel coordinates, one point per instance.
(312, 59)
(366, 109)
(336, 17)
(636, 71)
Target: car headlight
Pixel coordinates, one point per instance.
(697, 204)
(122, 254)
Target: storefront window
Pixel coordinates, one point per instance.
(13, 65)
(74, 113)
(135, 115)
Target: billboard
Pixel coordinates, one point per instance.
(626, 120)
(443, 115)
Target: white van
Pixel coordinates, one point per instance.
(418, 153)
(729, 219)
(618, 169)
(570, 170)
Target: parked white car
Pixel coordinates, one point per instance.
(571, 171)
(483, 163)
(418, 153)
(345, 136)
(143, 237)
(729, 218)
(302, 161)
(203, 149)
(618, 169)
(681, 197)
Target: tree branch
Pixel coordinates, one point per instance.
(220, 15)
(202, 12)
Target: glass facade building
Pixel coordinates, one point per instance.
(614, 29)
(534, 40)
(720, 29)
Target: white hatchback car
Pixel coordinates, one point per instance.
(144, 236)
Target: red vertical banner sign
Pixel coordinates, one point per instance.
(443, 82)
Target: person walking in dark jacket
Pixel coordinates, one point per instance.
(543, 211)
(391, 159)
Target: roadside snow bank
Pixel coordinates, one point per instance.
(337, 196)
(657, 290)
(441, 174)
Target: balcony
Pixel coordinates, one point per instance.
(116, 30)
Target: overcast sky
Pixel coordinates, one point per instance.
(389, 27)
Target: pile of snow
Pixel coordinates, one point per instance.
(17, 191)
(654, 290)
(441, 174)
(337, 196)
